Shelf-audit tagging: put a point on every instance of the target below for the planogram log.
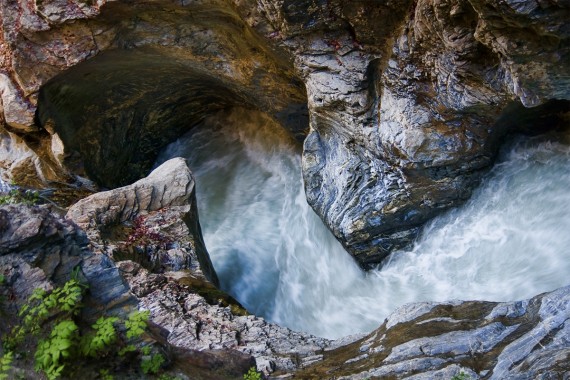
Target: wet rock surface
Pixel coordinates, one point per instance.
(483, 340)
(408, 112)
(208, 334)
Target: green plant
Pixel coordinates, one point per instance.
(18, 195)
(152, 364)
(42, 305)
(252, 374)
(51, 318)
(52, 352)
(460, 376)
(103, 337)
(165, 376)
(136, 323)
(105, 375)
(6, 364)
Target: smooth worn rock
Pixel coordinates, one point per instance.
(163, 65)
(409, 101)
(171, 186)
(516, 340)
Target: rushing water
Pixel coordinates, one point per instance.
(510, 241)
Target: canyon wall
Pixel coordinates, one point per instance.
(403, 104)
(409, 101)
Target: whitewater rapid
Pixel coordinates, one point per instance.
(271, 252)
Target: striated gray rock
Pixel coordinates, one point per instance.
(171, 186)
(483, 340)
(192, 322)
(39, 249)
(409, 100)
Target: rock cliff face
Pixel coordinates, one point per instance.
(156, 68)
(408, 101)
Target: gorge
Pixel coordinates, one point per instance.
(275, 256)
(349, 157)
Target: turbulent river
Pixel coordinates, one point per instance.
(272, 253)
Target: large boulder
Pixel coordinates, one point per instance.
(170, 186)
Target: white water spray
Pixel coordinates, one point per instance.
(510, 241)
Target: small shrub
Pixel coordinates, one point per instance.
(18, 195)
(101, 340)
(52, 353)
(52, 318)
(142, 245)
(136, 323)
(252, 374)
(152, 365)
(6, 364)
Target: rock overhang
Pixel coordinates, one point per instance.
(169, 67)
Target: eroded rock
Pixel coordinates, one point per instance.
(39, 249)
(515, 340)
(409, 101)
(193, 322)
(171, 186)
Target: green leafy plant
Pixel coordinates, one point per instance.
(18, 195)
(252, 374)
(41, 305)
(152, 364)
(52, 319)
(136, 323)
(52, 352)
(105, 375)
(6, 364)
(460, 376)
(103, 337)
(165, 376)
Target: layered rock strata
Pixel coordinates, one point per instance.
(39, 249)
(409, 101)
(169, 191)
(482, 340)
(156, 68)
